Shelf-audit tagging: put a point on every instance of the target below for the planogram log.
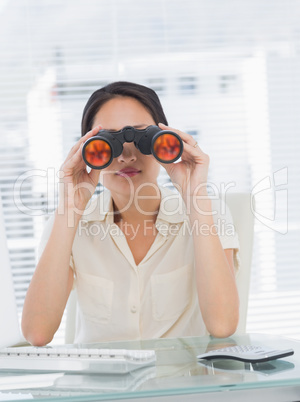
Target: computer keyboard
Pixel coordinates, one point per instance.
(75, 360)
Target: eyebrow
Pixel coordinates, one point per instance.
(135, 126)
(140, 126)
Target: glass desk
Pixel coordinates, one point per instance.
(176, 376)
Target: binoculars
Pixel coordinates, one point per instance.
(98, 151)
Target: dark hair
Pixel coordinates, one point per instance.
(143, 94)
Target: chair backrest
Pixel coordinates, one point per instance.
(71, 310)
(10, 333)
(243, 219)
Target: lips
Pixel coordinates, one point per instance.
(128, 171)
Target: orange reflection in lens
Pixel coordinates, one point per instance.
(167, 147)
(97, 153)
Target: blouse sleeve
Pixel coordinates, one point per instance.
(224, 223)
(45, 237)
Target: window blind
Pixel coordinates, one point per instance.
(226, 72)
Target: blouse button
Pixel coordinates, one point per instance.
(133, 309)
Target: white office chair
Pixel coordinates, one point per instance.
(243, 219)
(71, 310)
(10, 333)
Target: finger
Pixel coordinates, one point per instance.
(189, 139)
(195, 152)
(82, 140)
(90, 133)
(94, 175)
(167, 166)
(86, 136)
(76, 159)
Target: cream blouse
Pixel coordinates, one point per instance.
(119, 300)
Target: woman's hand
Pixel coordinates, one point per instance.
(190, 175)
(76, 184)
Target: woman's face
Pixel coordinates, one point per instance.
(114, 115)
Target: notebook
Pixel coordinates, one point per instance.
(10, 333)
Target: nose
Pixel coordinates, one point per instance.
(128, 154)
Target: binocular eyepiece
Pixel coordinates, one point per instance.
(99, 151)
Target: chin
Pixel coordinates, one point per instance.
(120, 184)
(129, 185)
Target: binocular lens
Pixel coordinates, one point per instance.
(167, 147)
(97, 153)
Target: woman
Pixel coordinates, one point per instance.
(137, 256)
